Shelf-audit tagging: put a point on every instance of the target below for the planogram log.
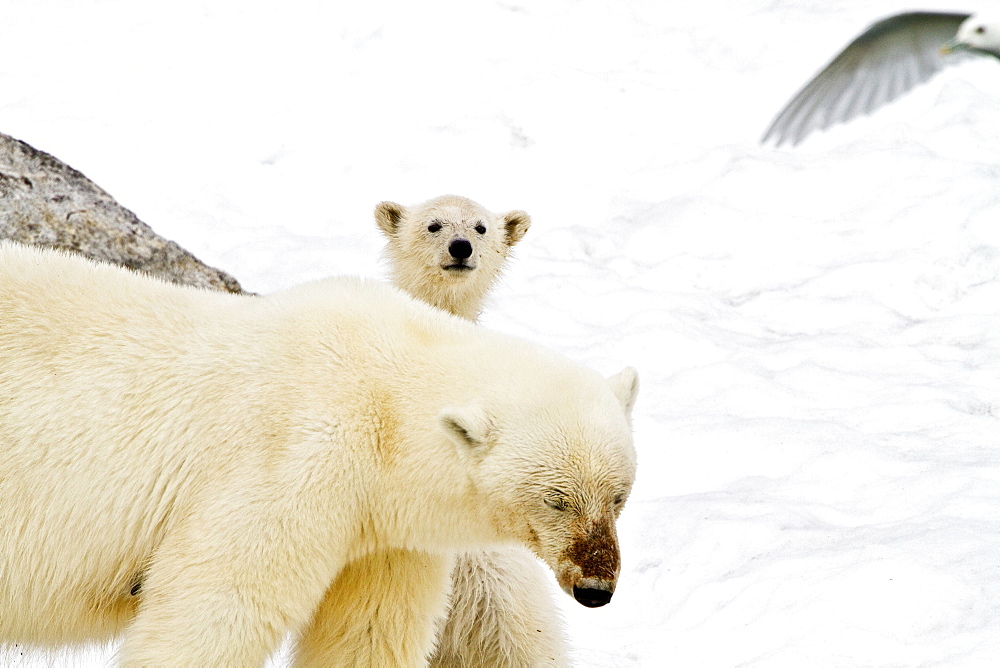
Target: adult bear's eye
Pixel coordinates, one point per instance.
(556, 501)
(434, 227)
(481, 228)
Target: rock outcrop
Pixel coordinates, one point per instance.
(44, 202)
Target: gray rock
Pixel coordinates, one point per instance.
(44, 202)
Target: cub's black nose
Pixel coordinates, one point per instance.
(460, 249)
(592, 598)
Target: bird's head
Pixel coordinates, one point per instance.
(977, 35)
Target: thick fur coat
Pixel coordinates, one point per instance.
(306, 462)
(500, 613)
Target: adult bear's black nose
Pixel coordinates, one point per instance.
(460, 249)
(592, 598)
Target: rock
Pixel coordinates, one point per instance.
(44, 202)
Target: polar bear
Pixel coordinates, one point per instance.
(308, 462)
(449, 251)
(499, 612)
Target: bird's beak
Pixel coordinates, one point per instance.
(951, 46)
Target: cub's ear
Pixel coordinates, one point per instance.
(388, 215)
(469, 427)
(516, 224)
(625, 385)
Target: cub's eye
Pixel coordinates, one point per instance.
(434, 227)
(556, 502)
(481, 228)
(980, 29)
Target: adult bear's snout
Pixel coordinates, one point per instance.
(592, 593)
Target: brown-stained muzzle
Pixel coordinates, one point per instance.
(589, 567)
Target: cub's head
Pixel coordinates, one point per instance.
(450, 250)
(556, 474)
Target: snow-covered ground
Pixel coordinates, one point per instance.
(816, 329)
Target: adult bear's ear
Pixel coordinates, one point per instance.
(515, 225)
(625, 385)
(388, 215)
(469, 427)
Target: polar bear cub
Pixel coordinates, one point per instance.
(500, 613)
(449, 251)
(306, 462)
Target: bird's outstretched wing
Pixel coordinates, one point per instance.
(885, 61)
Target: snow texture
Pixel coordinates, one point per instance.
(816, 328)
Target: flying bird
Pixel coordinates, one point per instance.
(884, 62)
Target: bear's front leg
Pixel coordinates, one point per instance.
(382, 610)
(221, 604)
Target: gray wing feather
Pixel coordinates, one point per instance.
(884, 62)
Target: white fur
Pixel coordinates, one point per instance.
(418, 254)
(500, 612)
(304, 462)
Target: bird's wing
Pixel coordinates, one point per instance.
(885, 61)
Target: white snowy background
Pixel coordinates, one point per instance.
(816, 329)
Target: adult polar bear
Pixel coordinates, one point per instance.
(243, 455)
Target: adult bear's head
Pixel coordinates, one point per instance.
(555, 464)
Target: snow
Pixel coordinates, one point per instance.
(815, 328)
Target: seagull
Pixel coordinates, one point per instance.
(884, 62)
